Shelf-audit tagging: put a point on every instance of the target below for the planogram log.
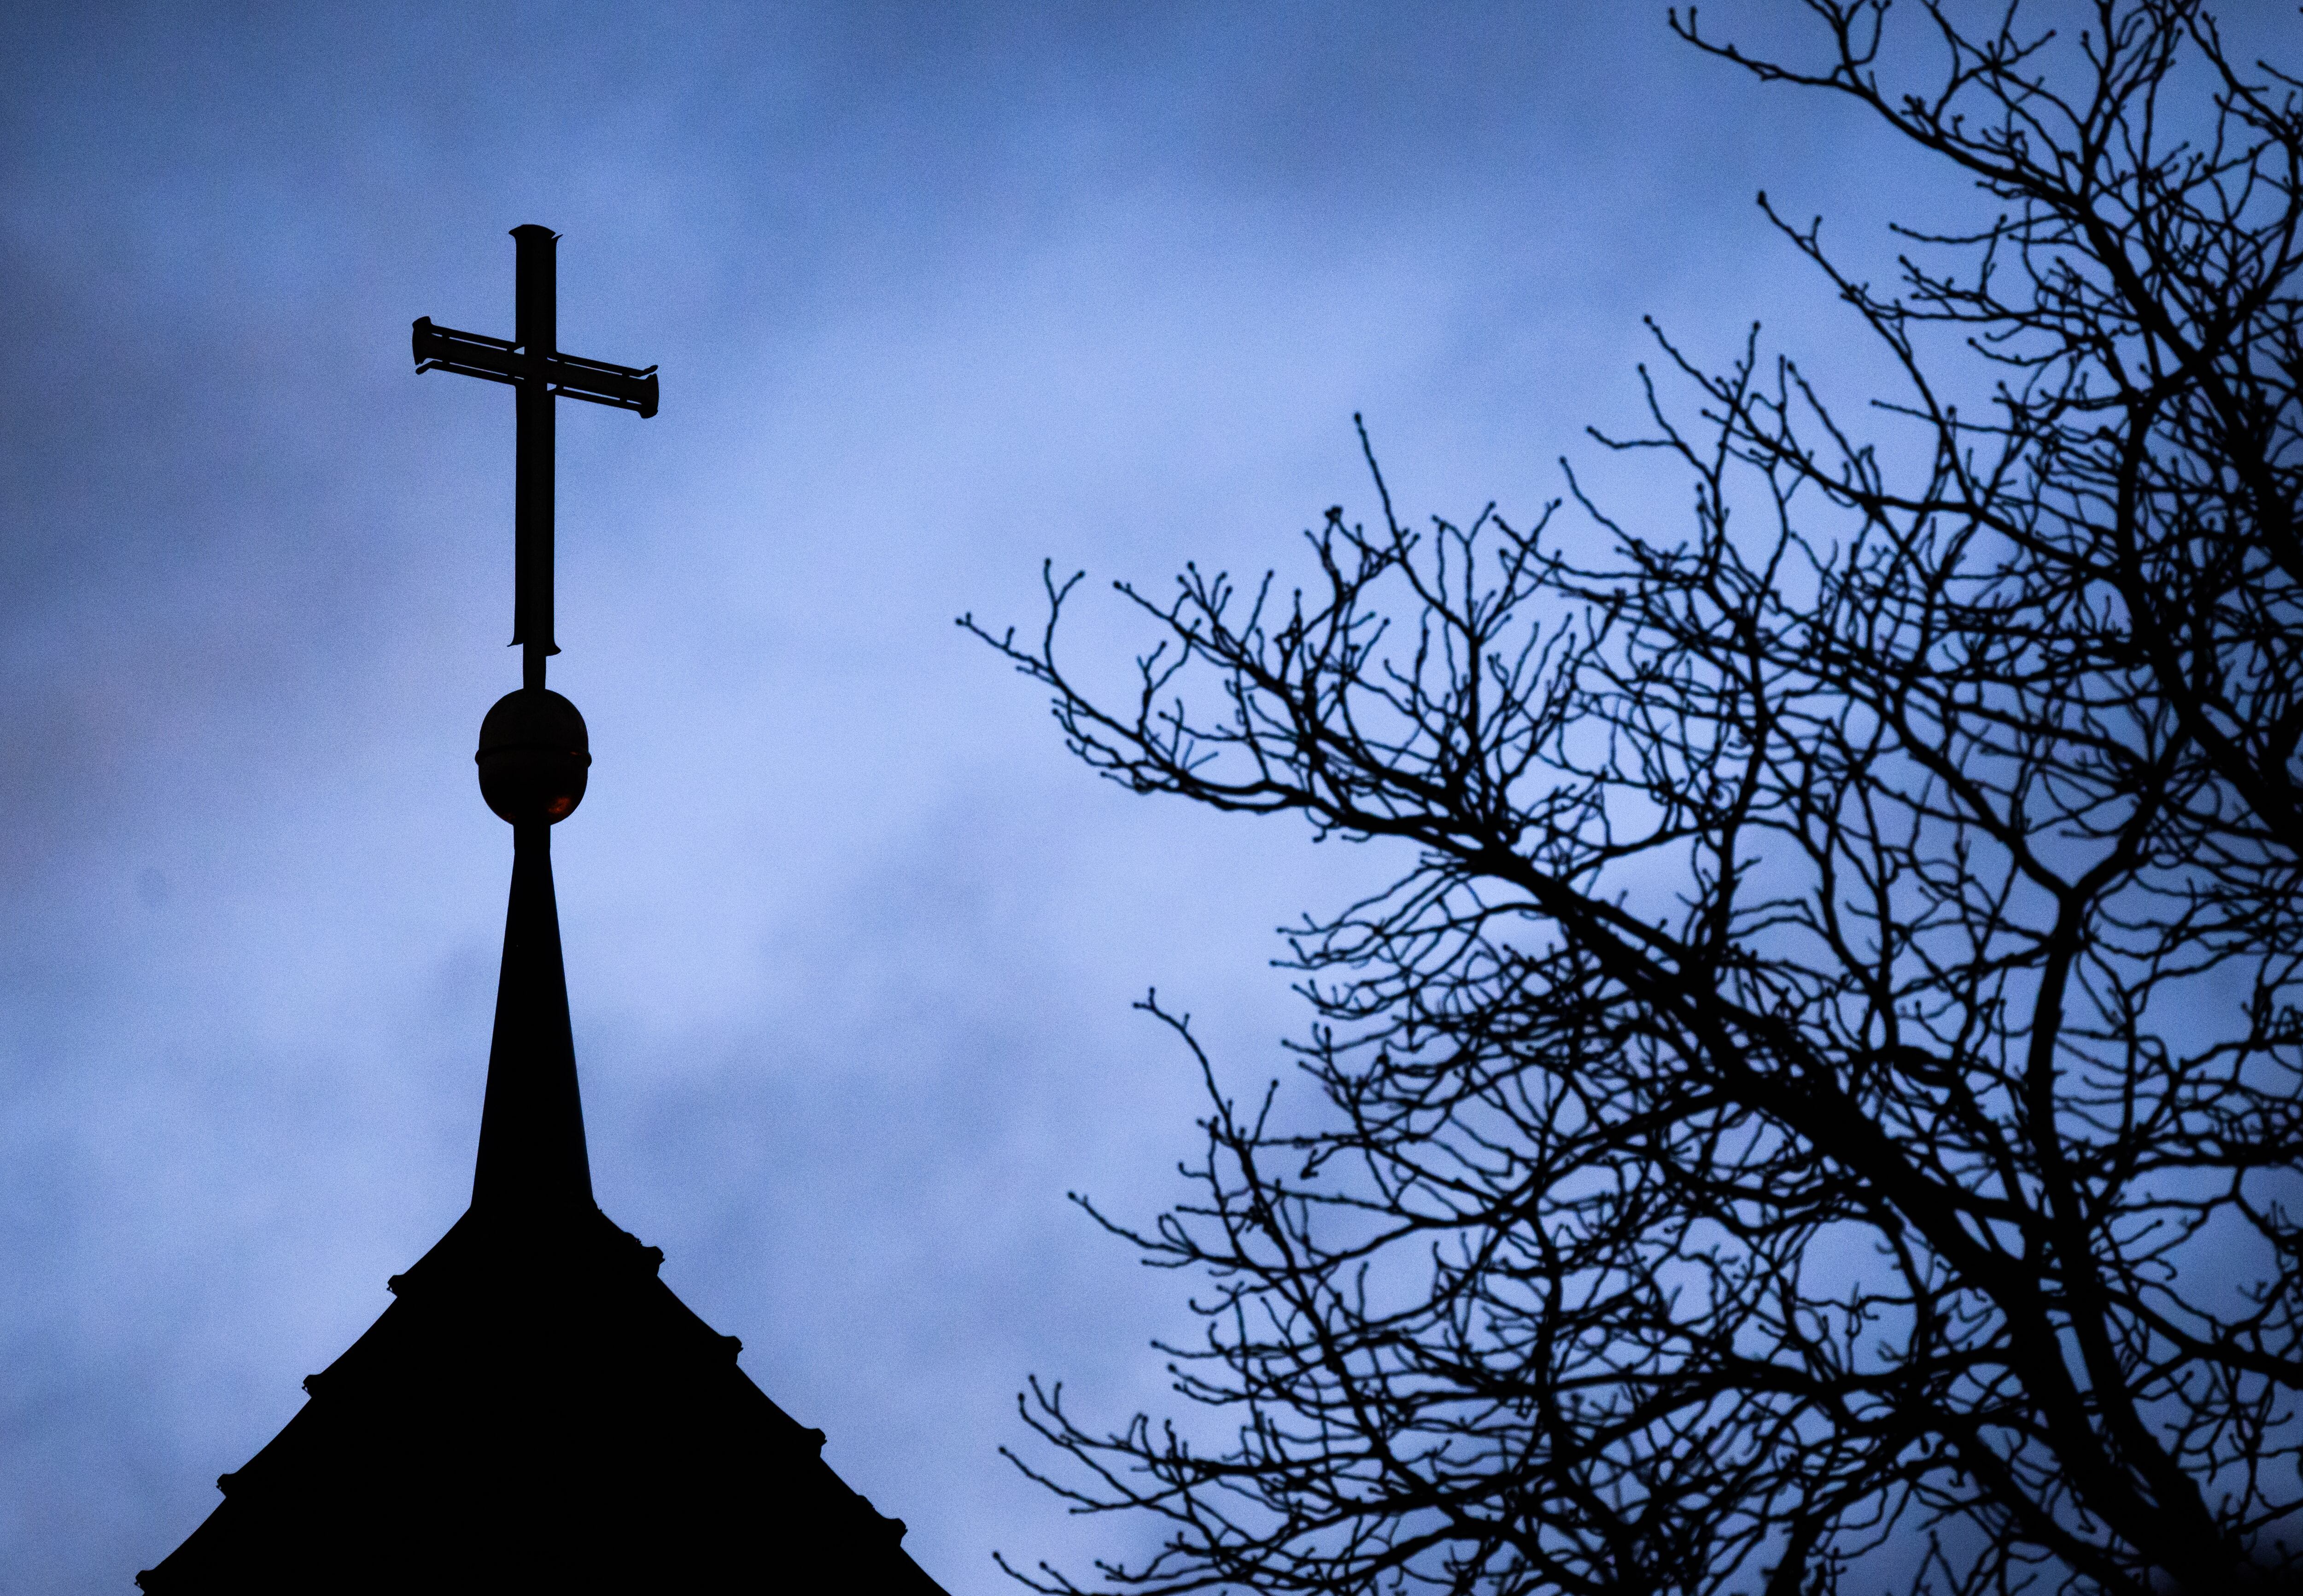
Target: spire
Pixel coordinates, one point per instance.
(537, 1410)
(532, 1154)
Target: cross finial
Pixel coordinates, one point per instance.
(532, 363)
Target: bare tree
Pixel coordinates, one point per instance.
(1828, 1080)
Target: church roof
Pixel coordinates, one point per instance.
(537, 1411)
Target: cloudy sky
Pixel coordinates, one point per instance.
(938, 291)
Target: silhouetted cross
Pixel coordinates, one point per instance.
(532, 363)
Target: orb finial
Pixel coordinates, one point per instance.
(535, 757)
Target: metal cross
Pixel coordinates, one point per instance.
(532, 363)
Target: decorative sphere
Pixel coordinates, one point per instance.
(535, 757)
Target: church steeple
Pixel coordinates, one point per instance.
(537, 1410)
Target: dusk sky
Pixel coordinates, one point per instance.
(938, 292)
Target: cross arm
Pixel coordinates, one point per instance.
(499, 360)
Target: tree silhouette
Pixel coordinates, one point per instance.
(1829, 1079)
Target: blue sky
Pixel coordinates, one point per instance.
(937, 292)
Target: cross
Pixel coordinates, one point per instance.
(532, 363)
